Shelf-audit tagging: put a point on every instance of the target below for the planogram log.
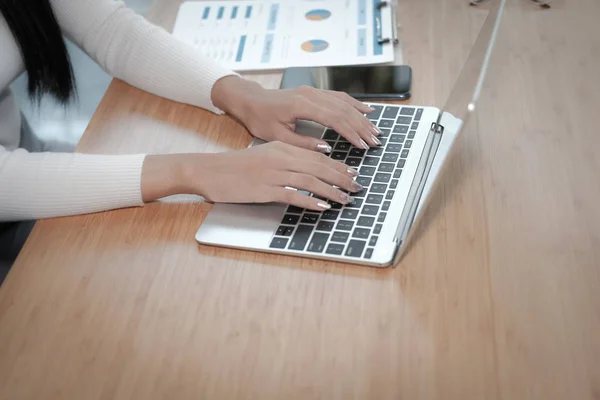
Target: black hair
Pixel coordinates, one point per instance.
(36, 31)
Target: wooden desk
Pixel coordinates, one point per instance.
(498, 299)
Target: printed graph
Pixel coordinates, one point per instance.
(314, 46)
(317, 15)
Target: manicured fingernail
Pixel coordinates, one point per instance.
(324, 206)
(324, 148)
(345, 198)
(371, 108)
(352, 172)
(356, 187)
(375, 140)
(364, 144)
(376, 130)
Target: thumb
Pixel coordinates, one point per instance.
(306, 142)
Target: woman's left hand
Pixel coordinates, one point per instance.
(272, 114)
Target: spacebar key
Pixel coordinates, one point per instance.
(300, 238)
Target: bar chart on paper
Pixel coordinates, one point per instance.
(264, 35)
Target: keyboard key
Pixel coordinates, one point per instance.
(344, 225)
(390, 112)
(414, 125)
(411, 134)
(278, 243)
(329, 215)
(353, 161)
(373, 241)
(400, 164)
(386, 123)
(375, 151)
(300, 238)
(366, 221)
(369, 253)
(386, 167)
(295, 210)
(378, 188)
(381, 217)
(326, 226)
(384, 133)
(376, 113)
(418, 114)
(397, 138)
(394, 184)
(377, 229)
(367, 171)
(361, 233)
(349, 213)
(355, 248)
(341, 237)
(407, 111)
(383, 141)
(374, 198)
(371, 161)
(290, 219)
(285, 230)
(365, 181)
(357, 152)
(397, 173)
(330, 134)
(390, 157)
(331, 143)
(338, 155)
(383, 177)
(362, 193)
(335, 206)
(403, 120)
(335, 249)
(408, 144)
(370, 209)
(386, 205)
(404, 154)
(318, 242)
(319, 197)
(394, 147)
(400, 129)
(390, 195)
(343, 146)
(356, 203)
(310, 218)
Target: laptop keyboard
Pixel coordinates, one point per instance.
(353, 230)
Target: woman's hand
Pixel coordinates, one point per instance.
(260, 174)
(272, 114)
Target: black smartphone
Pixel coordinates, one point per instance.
(363, 83)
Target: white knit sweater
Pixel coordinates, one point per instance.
(43, 185)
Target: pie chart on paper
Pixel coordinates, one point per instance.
(314, 46)
(318, 15)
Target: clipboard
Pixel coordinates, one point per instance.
(394, 35)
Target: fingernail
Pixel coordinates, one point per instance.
(364, 144)
(352, 172)
(356, 187)
(324, 148)
(324, 206)
(377, 141)
(370, 108)
(376, 130)
(345, 198)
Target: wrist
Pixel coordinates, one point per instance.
(164, 175)
(232, 95)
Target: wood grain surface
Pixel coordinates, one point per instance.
(499, 298)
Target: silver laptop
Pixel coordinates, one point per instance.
(398, 178)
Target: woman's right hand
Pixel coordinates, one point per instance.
(259, 174)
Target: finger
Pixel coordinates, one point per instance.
(367, 131)
(314, 185)
(295, 198)
(359, 105)
(304, 142)
(317, 161)
(317, 108)
(343, 179)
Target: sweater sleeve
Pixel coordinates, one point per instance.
(46, 185)
(141, 54)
